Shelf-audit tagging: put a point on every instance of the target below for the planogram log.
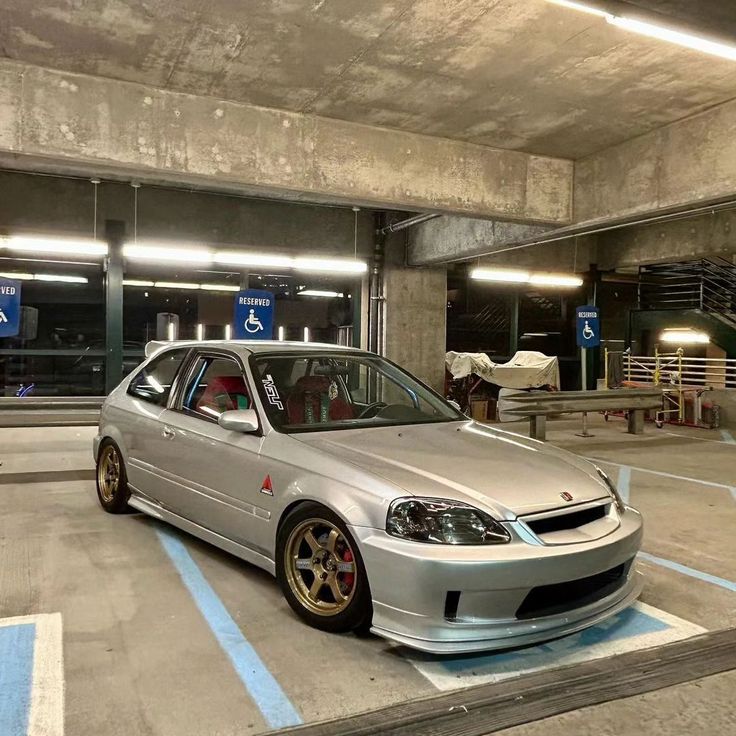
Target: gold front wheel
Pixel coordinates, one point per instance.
(320, 567)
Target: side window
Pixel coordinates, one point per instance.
(153, 383)
(216, 385)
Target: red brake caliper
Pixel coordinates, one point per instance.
(348, 577)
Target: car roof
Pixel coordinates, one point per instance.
(251, 346)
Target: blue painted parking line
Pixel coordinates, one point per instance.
(728, 437)
(638, 627)
(31, 676)
(692, 572)
(16, 677)
(624, 482)
(627, 623)
(275, 706)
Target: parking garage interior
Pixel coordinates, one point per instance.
(542, 188)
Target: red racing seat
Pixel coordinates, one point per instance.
(225, 393)
(309, 402)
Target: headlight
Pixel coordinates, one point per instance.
(443, 522)
(612, 488)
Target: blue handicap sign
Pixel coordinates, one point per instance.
(9, 308)
(588, 326)
(254, 315)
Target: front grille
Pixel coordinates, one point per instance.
(566, 521)
(548, 600)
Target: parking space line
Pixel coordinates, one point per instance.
(31, 676)
(638, 627)
(692, 572)
(728, 437)
(624, 482)
(710, 483)
(275, 706)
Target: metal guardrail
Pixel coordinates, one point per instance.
(538, 405)
(50, 411)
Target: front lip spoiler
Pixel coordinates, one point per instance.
(510, 642)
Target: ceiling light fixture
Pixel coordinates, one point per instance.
(684, 336)
(17, 276)
(175, 285)
(60, 278)
(256, 260)
(654, 30)
(136, 282)
(500, 274)
(550, 279)
(163, 253)
(319, 292)
(58, 246)
(219, 287)
(335, 265)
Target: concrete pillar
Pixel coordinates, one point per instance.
(415, 316)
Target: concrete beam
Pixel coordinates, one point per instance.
(457, 238)
(689, 162)
(180, 138)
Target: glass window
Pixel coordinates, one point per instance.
(217, 385)
(153, 382)
(308, 392)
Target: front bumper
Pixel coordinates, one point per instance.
(410, 583)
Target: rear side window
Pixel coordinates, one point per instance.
(217, 385)
(153, 383)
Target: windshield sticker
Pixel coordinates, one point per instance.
(271, 393)
(332, 391)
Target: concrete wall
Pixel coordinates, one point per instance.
(415, 313)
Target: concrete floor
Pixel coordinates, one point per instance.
(139, 657)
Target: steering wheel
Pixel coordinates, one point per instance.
(375, 407)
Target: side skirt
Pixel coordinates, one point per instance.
(149, 507)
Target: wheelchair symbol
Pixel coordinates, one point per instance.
(253, 324)
(588, 333)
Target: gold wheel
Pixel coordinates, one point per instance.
(108, 473)
(320, 567)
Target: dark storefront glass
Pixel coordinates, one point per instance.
(60, 349)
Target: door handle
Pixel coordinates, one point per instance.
(168, 433)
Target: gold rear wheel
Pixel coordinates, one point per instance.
(108, 473)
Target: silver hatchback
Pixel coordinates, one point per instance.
(374, 502)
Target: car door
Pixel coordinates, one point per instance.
(150, 390)
(216, 475)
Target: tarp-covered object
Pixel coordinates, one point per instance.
(527, 369)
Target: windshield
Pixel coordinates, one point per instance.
(305, 392)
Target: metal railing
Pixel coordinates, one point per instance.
(674, 369)
(708, 284)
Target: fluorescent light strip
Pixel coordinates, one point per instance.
(243, 258)
(17, 276)
(162, 253)
(136, 282)
(281, 333)
(306, 334)
(652, 30)
(59, 246)
(684, 336)
(219, 287)
(228, 332)
(319, 292)
(544, 279)
(61, 279)
(330, 264)
(175, 285)
(200, 331)
(499, 274)
(672, 36)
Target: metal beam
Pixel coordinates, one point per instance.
(115, 236)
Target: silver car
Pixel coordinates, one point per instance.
(375, 503)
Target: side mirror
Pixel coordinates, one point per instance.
(239, 420)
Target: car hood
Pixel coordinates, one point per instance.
(504, 473)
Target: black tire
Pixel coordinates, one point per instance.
(114, 501)
(358, 613)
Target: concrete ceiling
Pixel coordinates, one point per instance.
(515, 74)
